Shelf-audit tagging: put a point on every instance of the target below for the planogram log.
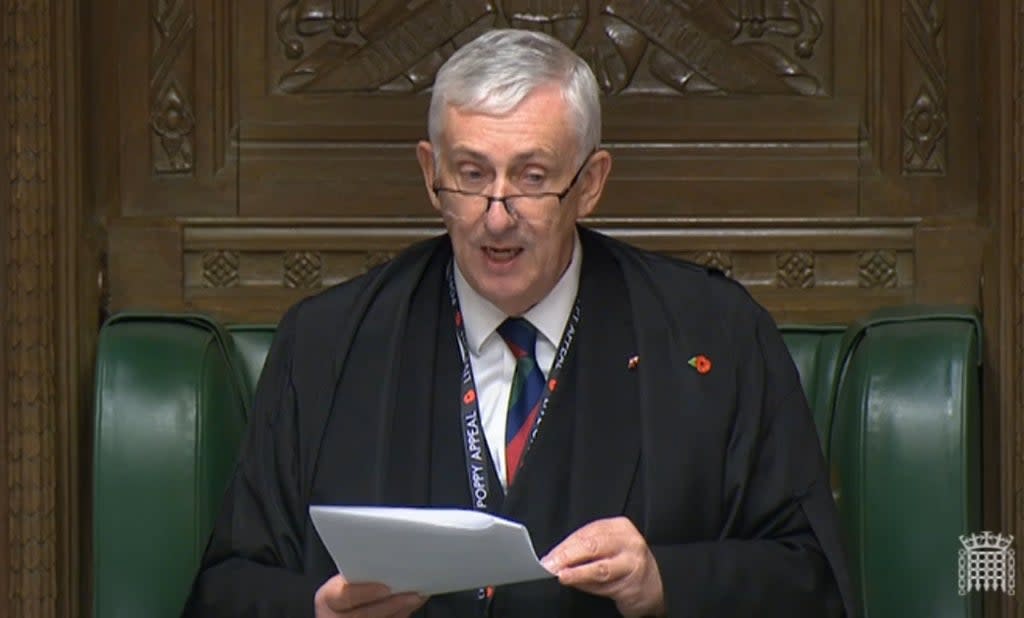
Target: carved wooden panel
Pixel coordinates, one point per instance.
(646, 46)
(922, 84)
(924, 89)
(803, 271)
(173, 86)
(719, 108)
(713, 101)
(172, 128)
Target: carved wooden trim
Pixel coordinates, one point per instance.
(925, 120)
(220, 269)
(795, 269)
(29, 336)
(172, 84)
(6, 361)
(46, 349)
(1011, 216)
(878, 269)
(224, 116)
(252, 269)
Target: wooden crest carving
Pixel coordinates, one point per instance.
(633, 46)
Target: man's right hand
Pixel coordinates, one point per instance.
(338, 598)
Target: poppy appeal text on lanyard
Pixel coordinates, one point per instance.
(472, 435)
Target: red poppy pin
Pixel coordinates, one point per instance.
(701, 363)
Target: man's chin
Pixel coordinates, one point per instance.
(511, 302)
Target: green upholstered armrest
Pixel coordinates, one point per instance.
(169, 414)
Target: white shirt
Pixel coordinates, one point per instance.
(490, 358)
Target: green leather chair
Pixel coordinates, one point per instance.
(895, 398)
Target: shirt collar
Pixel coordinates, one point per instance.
(481, 318)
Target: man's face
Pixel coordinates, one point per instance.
(513, 261)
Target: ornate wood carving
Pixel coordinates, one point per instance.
(30, 408)
(796, 269)
(220, 269)
(719, 47)
(302, 269)
(224, 95)
(720, 260)
(172, 85)
(925, 121)
(878, 269)
(263, 266)
(376, 258)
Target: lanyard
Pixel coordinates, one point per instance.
(473, 439)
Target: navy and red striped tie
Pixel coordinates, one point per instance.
(527, 388)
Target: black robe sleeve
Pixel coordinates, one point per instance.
(778, 551)
(253, 565)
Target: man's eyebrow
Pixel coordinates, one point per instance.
(544, 155)
(463, 151)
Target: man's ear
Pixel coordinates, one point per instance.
(592, 182)
(425, 155)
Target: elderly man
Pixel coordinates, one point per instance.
(641, 415)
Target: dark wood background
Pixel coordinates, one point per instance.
(230, 157)
(824, 152)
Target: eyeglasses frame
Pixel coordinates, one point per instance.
(504, 199)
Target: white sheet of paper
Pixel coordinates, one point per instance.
(426, 550)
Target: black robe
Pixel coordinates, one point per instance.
(721, 471)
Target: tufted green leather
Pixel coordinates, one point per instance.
(896, 401)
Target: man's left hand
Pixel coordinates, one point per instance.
(610, 558)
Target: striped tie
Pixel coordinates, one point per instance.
(527, 387)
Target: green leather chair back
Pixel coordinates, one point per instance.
(815, 351)
(169, 414)
(895, 399)
(252, 342)
(906, 451)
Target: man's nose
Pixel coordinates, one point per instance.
(498, 217)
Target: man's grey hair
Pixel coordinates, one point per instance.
(494, 73)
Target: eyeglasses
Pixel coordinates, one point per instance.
(531, 207)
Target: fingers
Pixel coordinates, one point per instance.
(596, 577)
(337, 597)
(343, 595)
(407, 604)
(610, 558)
(595, 541)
